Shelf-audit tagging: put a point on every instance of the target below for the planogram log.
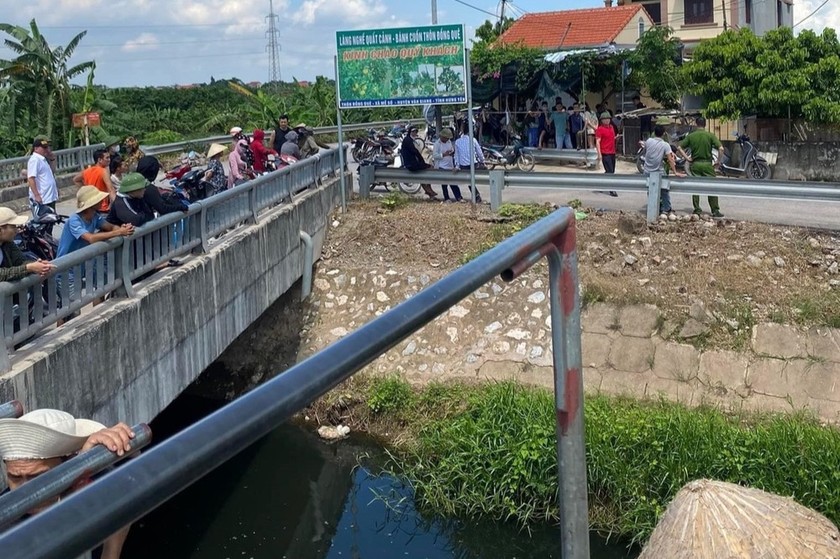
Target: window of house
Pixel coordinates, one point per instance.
(641, 27)
(748, 10)
(699, 11)
(654, 10)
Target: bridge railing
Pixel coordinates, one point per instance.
(498, 181)
(121, 497)
(226, 138)
(67, 161)
(84, 276)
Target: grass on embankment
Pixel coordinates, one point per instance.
(489, 451)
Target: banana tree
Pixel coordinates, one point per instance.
(42, 75)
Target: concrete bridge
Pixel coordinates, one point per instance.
(127, 358)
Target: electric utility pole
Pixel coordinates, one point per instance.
(725, 27)
(438, 110)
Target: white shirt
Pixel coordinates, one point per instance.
(462, 151)
(39, 168)
(443, 161)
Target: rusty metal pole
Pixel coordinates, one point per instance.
(568, 392)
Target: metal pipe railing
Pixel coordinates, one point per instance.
(121, 497)
(104, 267)
(11, 410)
(56, 481)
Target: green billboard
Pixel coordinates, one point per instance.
(404, 66)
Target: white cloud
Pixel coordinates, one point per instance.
(827, 16)
(143, 42)
(339, 11)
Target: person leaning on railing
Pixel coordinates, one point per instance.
(43, 439)
(13, 264)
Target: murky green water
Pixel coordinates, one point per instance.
(293, 496)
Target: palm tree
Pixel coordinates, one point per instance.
(40, 77)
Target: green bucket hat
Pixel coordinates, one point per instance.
(132, 182)
(605, 114)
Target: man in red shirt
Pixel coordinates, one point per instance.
(260, 151)
(99, 175)
(605, 144)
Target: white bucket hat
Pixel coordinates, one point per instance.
(44, 433)
(235, 130)
(9, 217)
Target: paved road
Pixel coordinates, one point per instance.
(822, 215)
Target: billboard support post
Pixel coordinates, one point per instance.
(471, 120)
(341, 151)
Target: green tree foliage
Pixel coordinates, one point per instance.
(741, 74)
(655, 68)
(488, 57)
(38, 79)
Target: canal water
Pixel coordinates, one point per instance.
(294, 496)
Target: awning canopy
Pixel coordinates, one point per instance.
(600, 50)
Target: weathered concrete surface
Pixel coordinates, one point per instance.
(129, 358)
(812, 161)
(502, 331)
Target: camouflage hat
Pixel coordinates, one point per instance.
(41, 142)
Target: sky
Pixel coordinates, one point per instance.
(169, 42)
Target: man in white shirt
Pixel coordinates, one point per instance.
(462, 155)
(42, 186)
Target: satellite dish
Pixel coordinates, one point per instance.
(430, 113)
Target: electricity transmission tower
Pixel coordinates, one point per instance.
(273, 46)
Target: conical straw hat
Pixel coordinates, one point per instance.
(718, 520)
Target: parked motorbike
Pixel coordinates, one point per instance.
(751, 165)
(505, 156)
(35, 238)
(192, 185)
(187, 163)
(35, 241)
(377, 144)
(405, 187)
(681, 163)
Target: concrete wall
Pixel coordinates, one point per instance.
(813, 161)
(128, 359)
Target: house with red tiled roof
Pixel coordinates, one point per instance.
(575, 29)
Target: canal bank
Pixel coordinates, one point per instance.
(488, 450)
(293, 495)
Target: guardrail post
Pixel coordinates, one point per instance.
(366, 179)
(252, 204)
(202, 216)
(654, 184)
(123, 268)
(497, 184)
(5, 361)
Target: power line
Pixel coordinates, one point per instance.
(156, 43)
(121, 60)
(144, 25)
(811, 14)
(477, 8)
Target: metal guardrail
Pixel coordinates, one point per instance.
(499, 180)
(226, 139)
(56, 481)
(30, 304)
(67, 161)
(587, 156)
(86, 517)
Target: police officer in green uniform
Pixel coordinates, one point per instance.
(701, 142)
